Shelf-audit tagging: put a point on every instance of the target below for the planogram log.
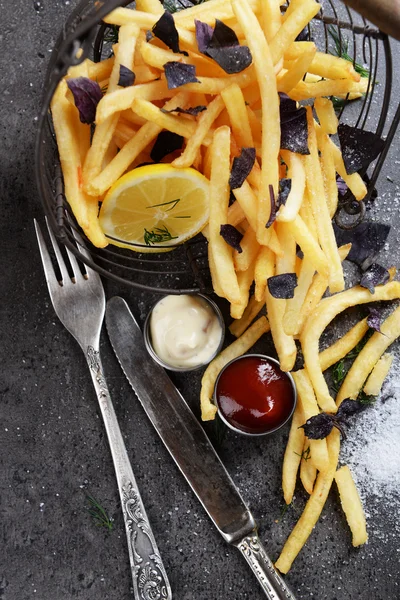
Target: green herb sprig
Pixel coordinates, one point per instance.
(157, 236)
(98, 513)
(341, 49)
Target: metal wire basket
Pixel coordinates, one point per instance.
(185, 269)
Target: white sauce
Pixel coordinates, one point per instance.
(185, 331)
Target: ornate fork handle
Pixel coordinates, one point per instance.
(270, 580)
(150, 581)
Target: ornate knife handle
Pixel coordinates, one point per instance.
(150, 580)
(262, 567)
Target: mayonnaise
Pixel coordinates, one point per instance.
(185, 331)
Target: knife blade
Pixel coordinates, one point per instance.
(189, 446)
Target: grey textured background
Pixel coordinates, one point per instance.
(53, 446)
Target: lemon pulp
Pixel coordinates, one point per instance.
(155, 206)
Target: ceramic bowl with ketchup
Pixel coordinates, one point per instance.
(254, 396)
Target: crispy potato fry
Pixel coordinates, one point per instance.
(297, 174)
(308, 244)
(219, 200)
(150, 6)
(237, 348)
(238, 116)
(354, 182)
(204, 123)
(287, 262)
(326, 115)
(253, 308)
(313, 508)
(369, 355)
(326, 87)
(250, 249)
(270, 18)
(291, 321)
(309, 406)
(328, 173)
(215, 9)
(284, 344)
(322, 315)
(248, 201)
(264, 265)
(100, 71)
(66, 124)
(343, 345)
(245, 279)
(378, 375)
(270, 116)
(294, 23)
(320, 210)
(308, 472)
(351, 504)
(296, 70)
(293, 453)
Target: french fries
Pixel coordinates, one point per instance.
(239, 110)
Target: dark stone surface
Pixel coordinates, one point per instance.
(53, 445)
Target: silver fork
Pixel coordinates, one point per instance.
(79, 303)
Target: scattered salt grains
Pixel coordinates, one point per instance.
(372, 449)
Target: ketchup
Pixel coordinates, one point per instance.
(254, 395)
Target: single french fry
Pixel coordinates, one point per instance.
(219, 200)
(308, 471)
(297, 175)
(291, 321)
(253, 308)
(100, 71)
(378, 375)
(343, 345)
(274, 243)
(103, 133)
(204, 123)
(245, 279)
(151, 6)
(309, 406)
(264, 265)
(308, 244)
(284, 344)
(131, 150)
(328, 173)
(369, 356)
(248, 201)
(250, 249)
(351, 504)
(145, 74)
(237, 348)
(264, 68)
(291, 27)
(326, 87)
(293, 453)
(66, 124)
(270, 18)
(354, 182)
(295, 71)
(326, 115)
(236, 107)
(316, 191)
(216, 9)
(313, 508)
(322, 315)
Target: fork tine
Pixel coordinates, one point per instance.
(80, 243)
(46, 260)
(60, 260)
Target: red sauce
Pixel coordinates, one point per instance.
(254, 395)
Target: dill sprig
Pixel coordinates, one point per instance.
(173, 6)
(111, 34)
(341, 48)
(158, 235)
(306, 454)
(98, 513)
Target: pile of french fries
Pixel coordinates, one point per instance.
(242, 111)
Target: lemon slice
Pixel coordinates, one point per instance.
(155, 206)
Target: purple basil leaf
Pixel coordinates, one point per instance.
(178, 74)
(87, 94)
(232, 236)
(272, 214)
(341, 185)
(294, 128)
(165, 143)
(204, 34)
(319, 426)
(166, 31)
(222, 45)
(373, 276)
(241, 167)
(282, 286)
(285, 185)
(348, 408)
(374, 319)
(194, 111)
(359, 147)
(366, 239)
(126, 76)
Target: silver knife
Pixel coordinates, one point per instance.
(190, 447)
